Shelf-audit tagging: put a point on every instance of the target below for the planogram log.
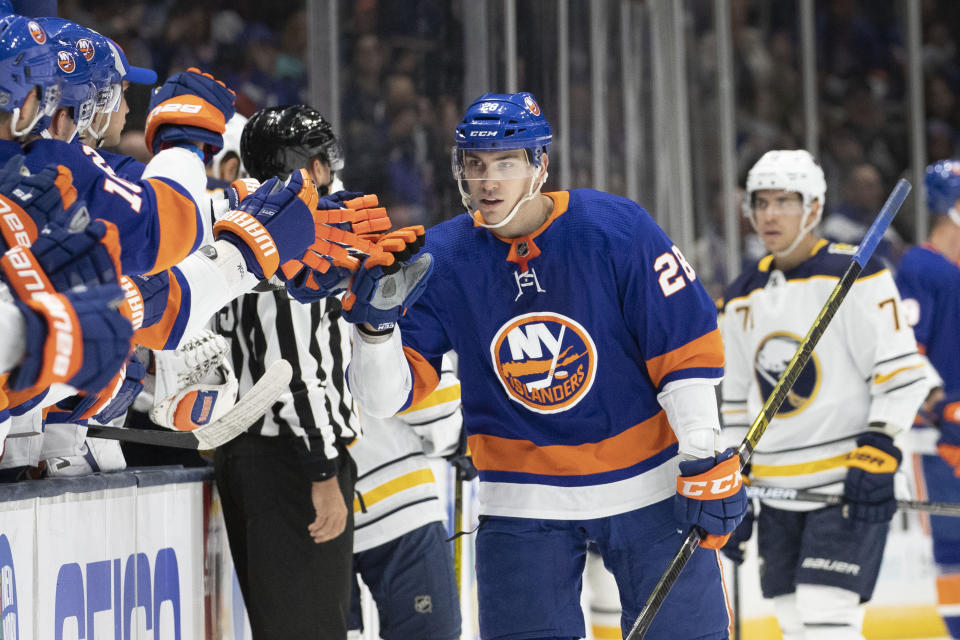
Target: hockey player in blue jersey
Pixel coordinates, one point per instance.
(834, 434)
(929, 281)
(589, 353)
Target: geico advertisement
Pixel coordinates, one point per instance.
(119, 563)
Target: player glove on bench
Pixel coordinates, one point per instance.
(191, 106)
(389, 281)
(83, 253)
(711, 495)
(868, 488)
(78, 337)
(273, 225)
(133, 376)
(32, 200)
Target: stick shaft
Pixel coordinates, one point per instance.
(780, 391)
(801, 495)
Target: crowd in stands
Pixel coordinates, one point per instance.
(402, 85)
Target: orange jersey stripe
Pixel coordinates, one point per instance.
(4, 400)
(178, 225)
(706, 351)
(425, 378)
(637, 443)
(948, 589)
(155, 336)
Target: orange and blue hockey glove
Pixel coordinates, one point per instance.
(31, 201)
(868, 494)
(274, 225)
(711, 495)
(389, 281)
(191, 106)
(78, 337)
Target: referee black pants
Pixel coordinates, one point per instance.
(292, 587)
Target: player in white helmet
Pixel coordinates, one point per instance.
(861, 388)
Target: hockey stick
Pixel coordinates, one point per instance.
(777, 396)
(778, 493)
(457, 524)
(249, 408)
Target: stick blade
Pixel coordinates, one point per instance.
(251, 406)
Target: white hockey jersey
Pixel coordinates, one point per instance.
(865, 370)
(396, 490)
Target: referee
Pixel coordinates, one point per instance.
(286, 485)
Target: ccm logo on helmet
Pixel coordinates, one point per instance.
(482, 134)
(720, 487)
(37, 32)
(66, 62)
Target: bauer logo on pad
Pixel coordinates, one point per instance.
(545, 361)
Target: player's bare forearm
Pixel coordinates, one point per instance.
(331, 510)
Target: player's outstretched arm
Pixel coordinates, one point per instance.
(381, 372)
(274, 225)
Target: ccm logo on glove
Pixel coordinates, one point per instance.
(722, 481)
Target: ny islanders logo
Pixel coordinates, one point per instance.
(773, 356)
(66, 62)
(36, 32)
(85, 47)
(545, 361)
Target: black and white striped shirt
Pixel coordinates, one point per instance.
(318, 410)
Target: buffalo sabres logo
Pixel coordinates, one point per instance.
(66, 62)
(545, 361)
(773, 356)
(532, 105)
(85, 47)
(36, 32)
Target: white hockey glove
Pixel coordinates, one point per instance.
(193, 385)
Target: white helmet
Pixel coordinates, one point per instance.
(790, 170)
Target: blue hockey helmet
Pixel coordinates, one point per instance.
(28, 61)
(942, 180)
(77, 90)
(498, 121)
(101, 56)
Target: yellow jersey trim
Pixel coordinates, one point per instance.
(393, 487)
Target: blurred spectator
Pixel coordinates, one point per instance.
(862, 196)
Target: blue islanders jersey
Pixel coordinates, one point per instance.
(123, 166)
(930, 286)
(565, 337)
(158, 221)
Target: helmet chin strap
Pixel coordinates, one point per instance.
(532, 191)
(804, 230)
(954, 215)
(16, 117)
